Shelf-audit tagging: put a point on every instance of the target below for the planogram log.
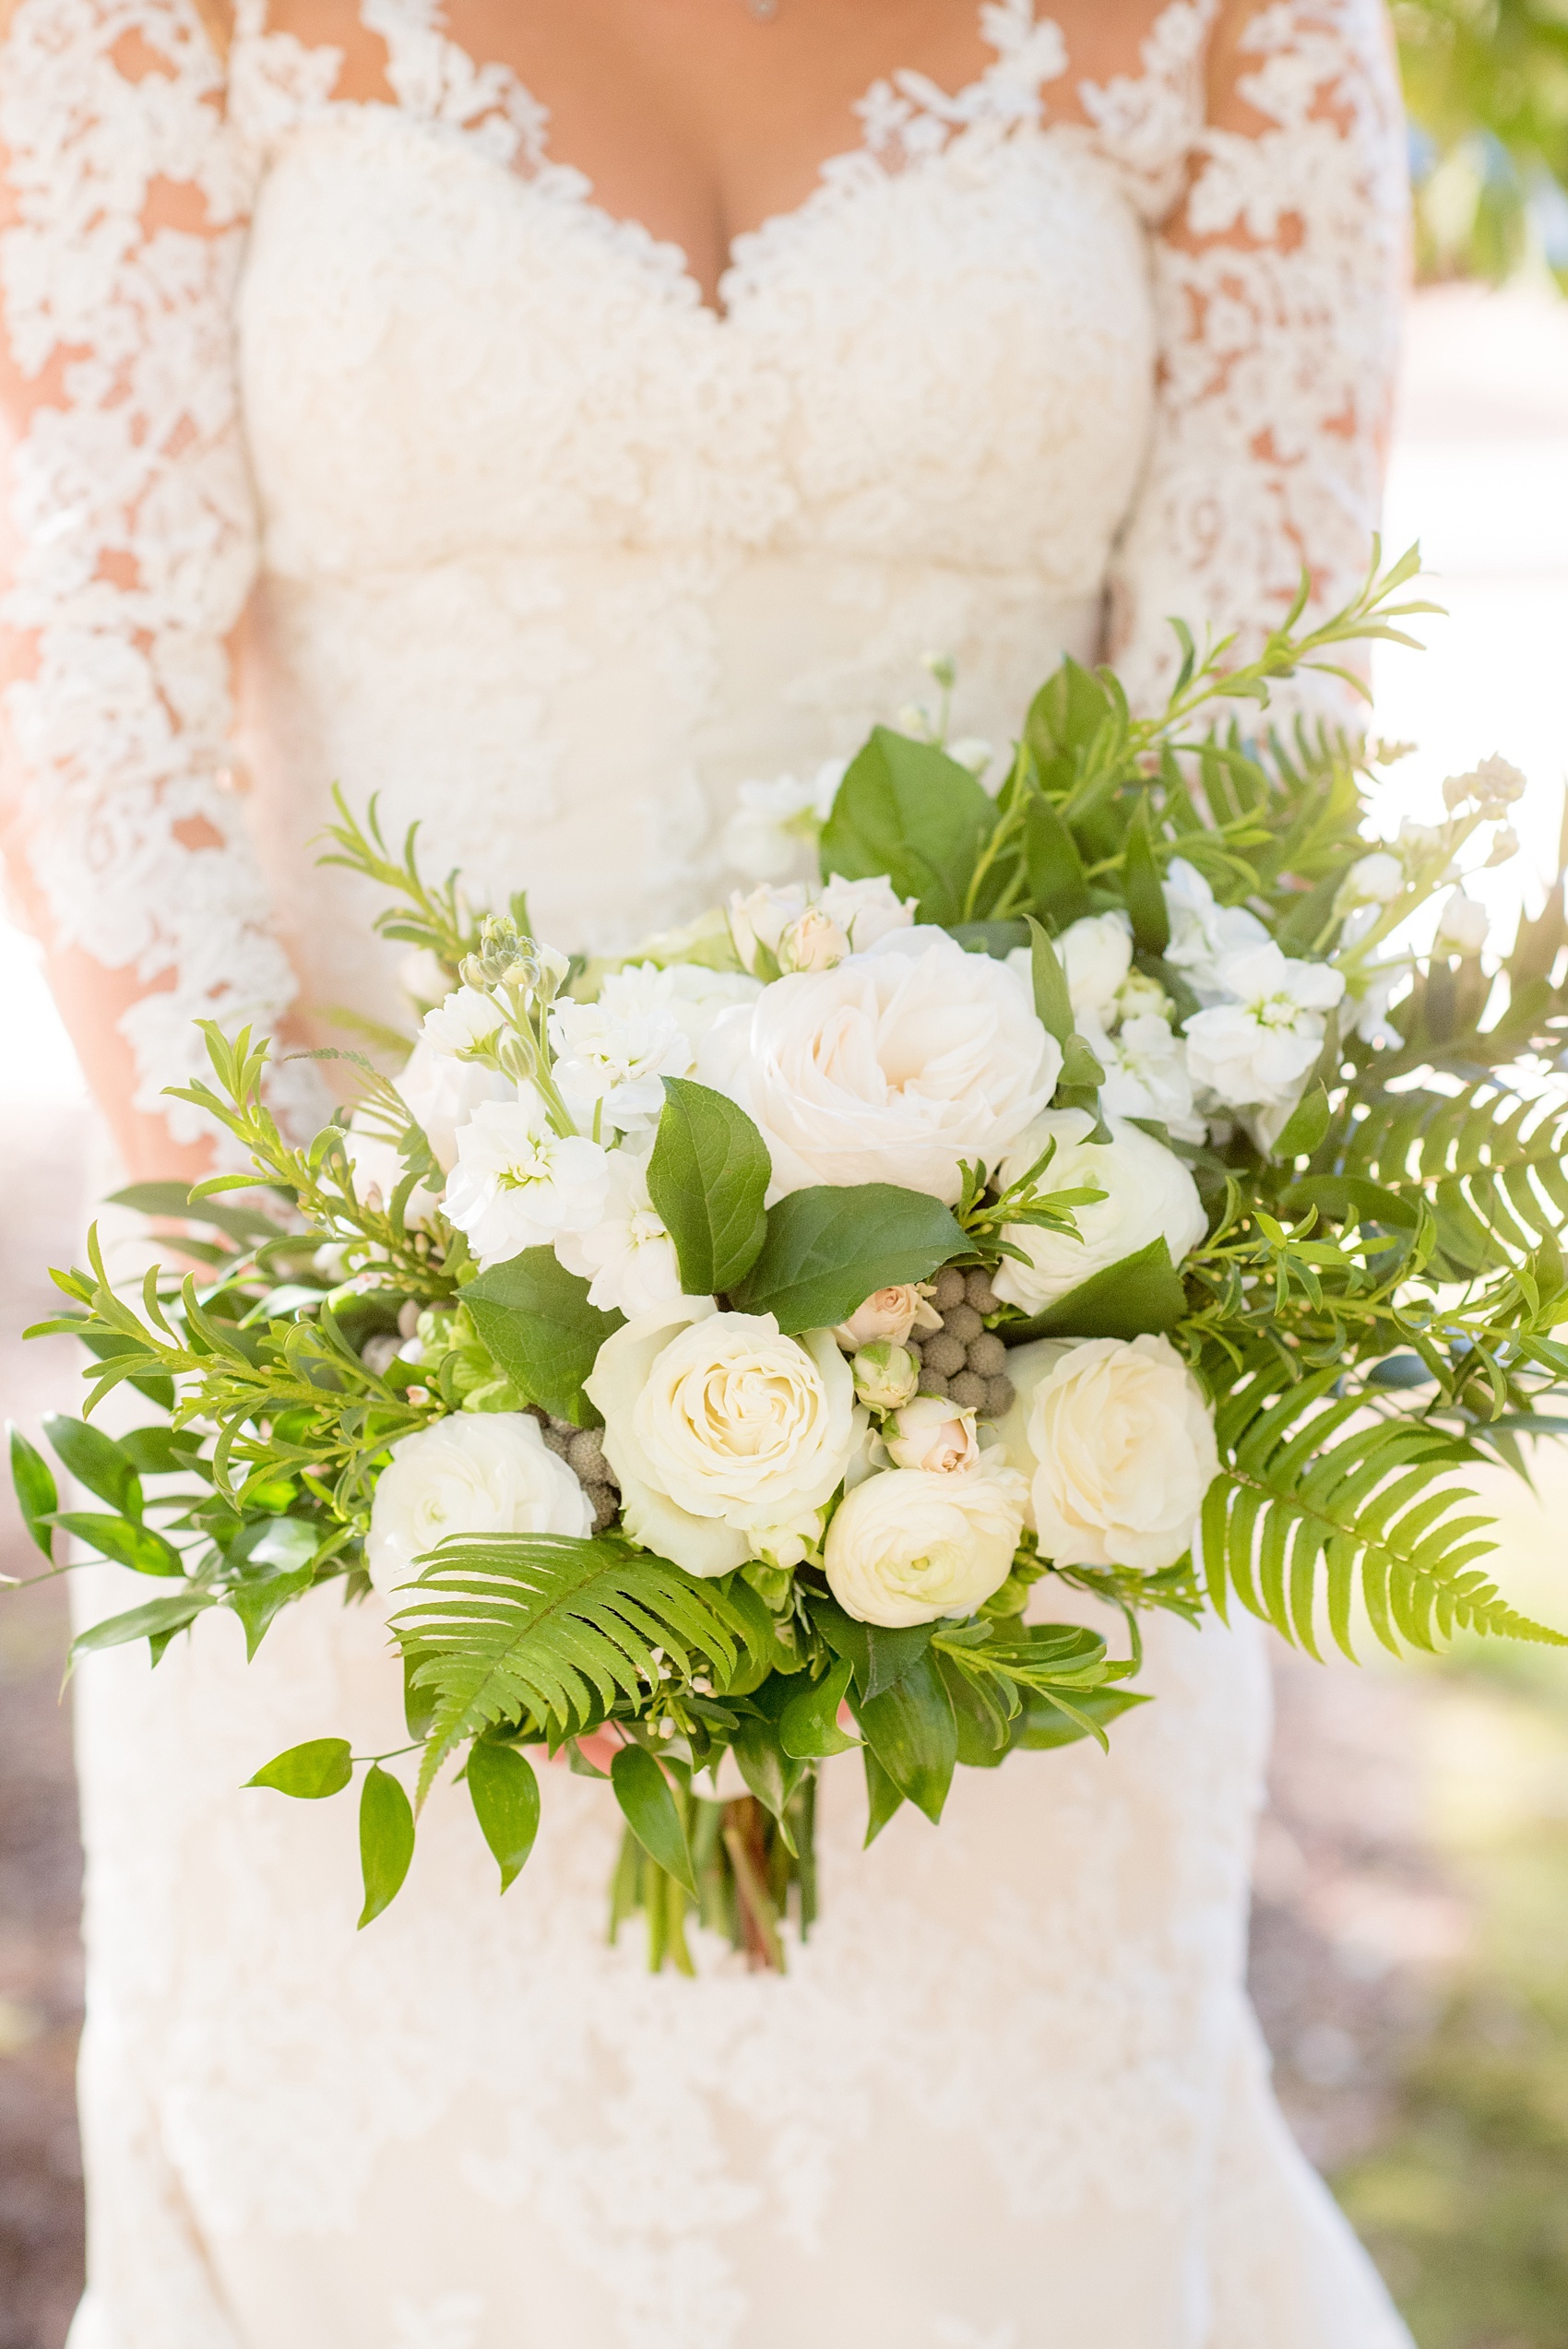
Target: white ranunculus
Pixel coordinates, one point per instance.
(443, 1094)
(464, 1022)
(1145, 1075)
(891, 1068)
(913, 1545)
(1118, 1443)
(932, 1434)
(1150, 1195)
(1254, 1051)
(1096, 953)
(479, 1473)
(518, 1184)
(726, 1439)
(1203, 933)
(628, 1258)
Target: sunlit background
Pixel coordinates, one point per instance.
(1411, 1947)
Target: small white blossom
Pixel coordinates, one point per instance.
(1146, 1073)
(775, 824)
(1203, 933)
(691, 995)
(628, 1259)
(518, 1185)
(1505, 843)
(463, 1024)
(1254, 1051)
(1375, 879)
(611, 1070)
(1096, 956)
(1463, 925)
(1495, 783)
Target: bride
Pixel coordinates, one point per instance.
(511, 411)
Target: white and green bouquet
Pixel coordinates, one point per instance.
(713, 1361)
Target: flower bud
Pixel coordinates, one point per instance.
(934, 1435)
(1139, 997)
(888, 1314)
(886, 1375)
(1375, 879)
(1463, 925)
(1505, 843)
(814, 942)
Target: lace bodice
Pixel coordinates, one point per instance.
(545, 550)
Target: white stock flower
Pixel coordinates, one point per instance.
(891, 1068)
(628, 1258)
(464, 1023)
(610, 1068)
(1374, 880)
(726, 1439)
(1096, 954)
(1463, 924)
(888, 1312)
(691, 995)
(480, 1473)
(934, 1434)
(913, 1545)
(1254, 1051)
(1118, 1443)
(1203, 933)
(443, 1094)
(775, 824)
(518, 1185)
(1146, 1073)
(1150, 1195)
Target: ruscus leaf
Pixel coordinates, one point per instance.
(647, 1801)
(117, 1538)
(96, 1461)
(1140, 1296)
(387, 1841)
(536, 1322)
(504, 1792)
(827, 1250)
(907, 810)
(808, 1727)
(708, 1178)
(310, 1772)
(38, 1495)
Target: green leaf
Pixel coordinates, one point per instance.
(770, 1773)
(1141, 886)
(159, 1451)
(1141, 1295)
(1064, 719)
(387, 1841)
(1054, 867)
(137, 1547)
(808, 1727)
(908, 810)
(1053, 1005)
(1042, 1725)
(504, 1791)
(883, 1798)
(537, 1324)
(708, 1178)
(1080, 1069)
(309, 1771)
(647, 1800)
(96, 1461)
(1305, 1126)
(911, 1729)
(998, 939)
(827, 1250)
(38, 1495)
(418, 1704)
(541, 1628)
(979, 1711)
(260, 1599)
(157, 1622)
(891, 1653)
(175, 1203)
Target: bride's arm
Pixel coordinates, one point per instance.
(1278, 279)
(127, 546)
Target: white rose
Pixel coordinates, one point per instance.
(1256, 1050)
(1203, 933)
(910, 1546)
(1096, 953)
(443, 1094)
(479, 1473)
(519, 1185)
(1150, 1195)
(889, 1312)
(627, 1258)
(891, 1068)
(1118, 1443)
(866, 911)
(726, 1438)
(935, 1435)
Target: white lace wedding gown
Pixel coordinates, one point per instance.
(552, 557)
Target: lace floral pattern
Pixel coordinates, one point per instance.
(555, 557)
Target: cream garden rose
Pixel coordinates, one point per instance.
(726, 1438)
(474, 1473)
(913, 1545)
(1117, 1440)
(891, 1068)
(1150, 1195)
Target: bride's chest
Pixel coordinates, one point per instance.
(951, 362)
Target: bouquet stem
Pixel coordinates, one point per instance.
(749, 1881)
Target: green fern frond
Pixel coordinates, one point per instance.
(1305, 1500)
(555, 1630)
(1489, 1163)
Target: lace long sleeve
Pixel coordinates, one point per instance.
(131, 545)
(1277, 279)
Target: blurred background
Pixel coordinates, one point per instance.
(1410, 1934)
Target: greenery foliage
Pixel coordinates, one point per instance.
(1486, 82)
